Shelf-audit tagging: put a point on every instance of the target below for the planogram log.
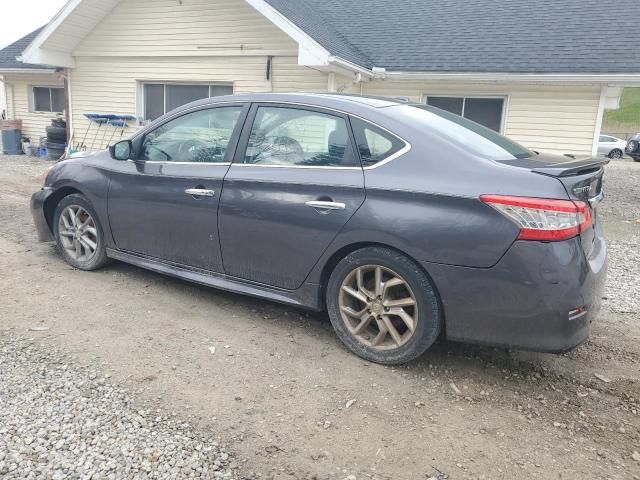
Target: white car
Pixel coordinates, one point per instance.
(611, 147)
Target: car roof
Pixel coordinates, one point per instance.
(328, 100)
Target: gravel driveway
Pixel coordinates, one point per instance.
(123, 373)
(59, 420)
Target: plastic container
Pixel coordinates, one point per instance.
(12, 142)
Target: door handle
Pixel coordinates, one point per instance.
(321, 205)
(200, 192)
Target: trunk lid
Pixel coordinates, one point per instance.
(582, 179)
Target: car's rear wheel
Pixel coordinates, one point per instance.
(78, 233)
(383, 306)
(616, 153)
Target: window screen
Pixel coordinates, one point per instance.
(48, 99)
(178, 95)
(374, 144)
(297, 137)
(485, 111)
(57, 99)
(160, 98)
(450, 104)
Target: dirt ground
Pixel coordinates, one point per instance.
(291, 403)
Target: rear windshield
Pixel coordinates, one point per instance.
(471, 136)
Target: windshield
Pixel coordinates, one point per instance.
(469, 135)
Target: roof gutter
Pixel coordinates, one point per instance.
(342, 63)
(27, 70)
(623, 78)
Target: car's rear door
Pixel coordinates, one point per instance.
(164, 204)
(294, 183)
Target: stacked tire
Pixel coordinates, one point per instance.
(56, 139)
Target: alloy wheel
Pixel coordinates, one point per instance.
(78, 233)
(378, 307)
(615, 154)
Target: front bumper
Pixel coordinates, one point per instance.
(523, 302)
(38, 200)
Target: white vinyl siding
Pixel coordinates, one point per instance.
(137, 28)
(19, 93)
(550, 118)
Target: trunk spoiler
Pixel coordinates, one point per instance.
(573, 167)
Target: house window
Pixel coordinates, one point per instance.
(485, 111)
(48, 99)
(160, 98)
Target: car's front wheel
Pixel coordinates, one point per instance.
(616, 153)
(78, 233)
(383, 306)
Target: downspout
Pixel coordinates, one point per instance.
(599, 118)
(357, 80)
(69, 107)
(13, 100)
(4, 94)
(331, 83)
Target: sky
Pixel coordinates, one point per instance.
(20, 17)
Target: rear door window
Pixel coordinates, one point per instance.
(288, 137)
(374, 144)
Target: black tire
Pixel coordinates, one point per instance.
(99, 259)
(429, 320)
(55, 145)
(54, 155)
(636, 159)
(59, 133)
(616, 153)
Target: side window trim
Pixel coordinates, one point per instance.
(138, 140)
(243, 143)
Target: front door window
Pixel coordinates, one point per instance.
(201, 137)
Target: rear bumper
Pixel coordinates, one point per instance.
(524, 301)
(38, 200)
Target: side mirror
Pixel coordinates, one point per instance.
(121, 150)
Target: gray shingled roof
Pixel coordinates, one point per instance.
(497, 36)
(8, 54)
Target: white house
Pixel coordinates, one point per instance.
(542, 72)
(33, 93)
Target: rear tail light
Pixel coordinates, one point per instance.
(542, 218)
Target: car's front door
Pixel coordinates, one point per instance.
(164, 204)
(295, 181)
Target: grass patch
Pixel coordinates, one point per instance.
(629, 112)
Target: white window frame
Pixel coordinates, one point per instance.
(32, 98)
(140, 97)
(505, 104)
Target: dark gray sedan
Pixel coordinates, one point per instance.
(403, 221)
